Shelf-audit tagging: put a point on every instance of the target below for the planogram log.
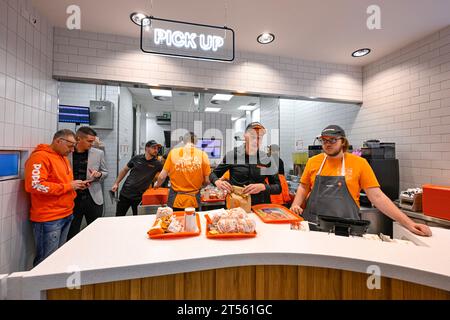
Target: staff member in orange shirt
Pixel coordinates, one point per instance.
(188, 169)
(336, 179)
(49, 180)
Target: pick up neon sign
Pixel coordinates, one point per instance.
(186, 39)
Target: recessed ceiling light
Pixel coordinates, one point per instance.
(361, 52)
(137, 18)
(247, 108)
(161, 93)
(210, 109)
(234, 118)
(222, 97)
(265, 38)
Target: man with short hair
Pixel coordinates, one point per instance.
(188, 169)
(88, 164)
(332, 181)
(250, 168)
(143, 170)
(49, 180)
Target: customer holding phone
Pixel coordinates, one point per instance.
(50, 182)
(88, 165)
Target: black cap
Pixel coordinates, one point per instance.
(152, 143)
(255, 126)
(333, 131)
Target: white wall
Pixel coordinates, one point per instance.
(304, 120)
(28, 109)
(155, 131)
(407, 101)
(270, 116)
(110, 57)
(125, 127)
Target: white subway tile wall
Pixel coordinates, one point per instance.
(407, 101)
(118, 58)
(302, 121)
(28, 108)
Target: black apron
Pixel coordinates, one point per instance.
(330, 197)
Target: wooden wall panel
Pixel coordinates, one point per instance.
(253, 282)
(235, 283)
(354, 286)
(319, 283)
(282, 282)
(200, 285)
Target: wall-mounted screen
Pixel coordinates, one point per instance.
(9, 165)
(212, 147)
(74, 114)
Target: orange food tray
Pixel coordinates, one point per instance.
(235, 235)
(155, 196)
(275, 213)
(213, 200)
(180, 216)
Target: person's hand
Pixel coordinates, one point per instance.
(78, 185)
(254, 188)
(296, 209)
(224, 185)
(114, 187)
(420, 229)
(94, 174)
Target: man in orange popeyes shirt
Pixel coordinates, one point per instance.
(49, 180)
(333, 180)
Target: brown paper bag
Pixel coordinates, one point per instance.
(237, 199)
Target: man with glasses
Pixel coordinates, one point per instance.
(49, 180)
(332, 181)
(249, 167)
(88, 165)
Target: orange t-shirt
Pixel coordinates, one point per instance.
(358, 173)
(187, 166)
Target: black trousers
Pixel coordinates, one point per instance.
(124, 204)
(84, 207)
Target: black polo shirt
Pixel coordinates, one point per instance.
(142, 173)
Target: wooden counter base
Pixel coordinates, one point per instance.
(253, 282)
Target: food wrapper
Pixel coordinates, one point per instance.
(156, 229)
(237, 199)
(164, 212)
(175, 226)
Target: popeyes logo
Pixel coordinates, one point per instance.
(35, 178)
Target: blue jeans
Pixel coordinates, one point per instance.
(49, 236)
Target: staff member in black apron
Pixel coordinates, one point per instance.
(336, 179)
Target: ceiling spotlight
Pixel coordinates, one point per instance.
(210, 109)
(139, 18)
(265, 38)
(222, 97)
(361, 52)
(247, 108)
(161, 93)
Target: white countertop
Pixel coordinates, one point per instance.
(118, 248)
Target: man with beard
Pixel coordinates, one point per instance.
(332, 181)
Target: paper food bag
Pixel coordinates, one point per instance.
(238, 199)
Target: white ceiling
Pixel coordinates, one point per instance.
(184, 101)
(325, 30)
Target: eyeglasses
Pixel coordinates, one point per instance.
(328, 141)
(71, 143)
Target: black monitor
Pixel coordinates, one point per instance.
(74, 114)
(341, 226)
